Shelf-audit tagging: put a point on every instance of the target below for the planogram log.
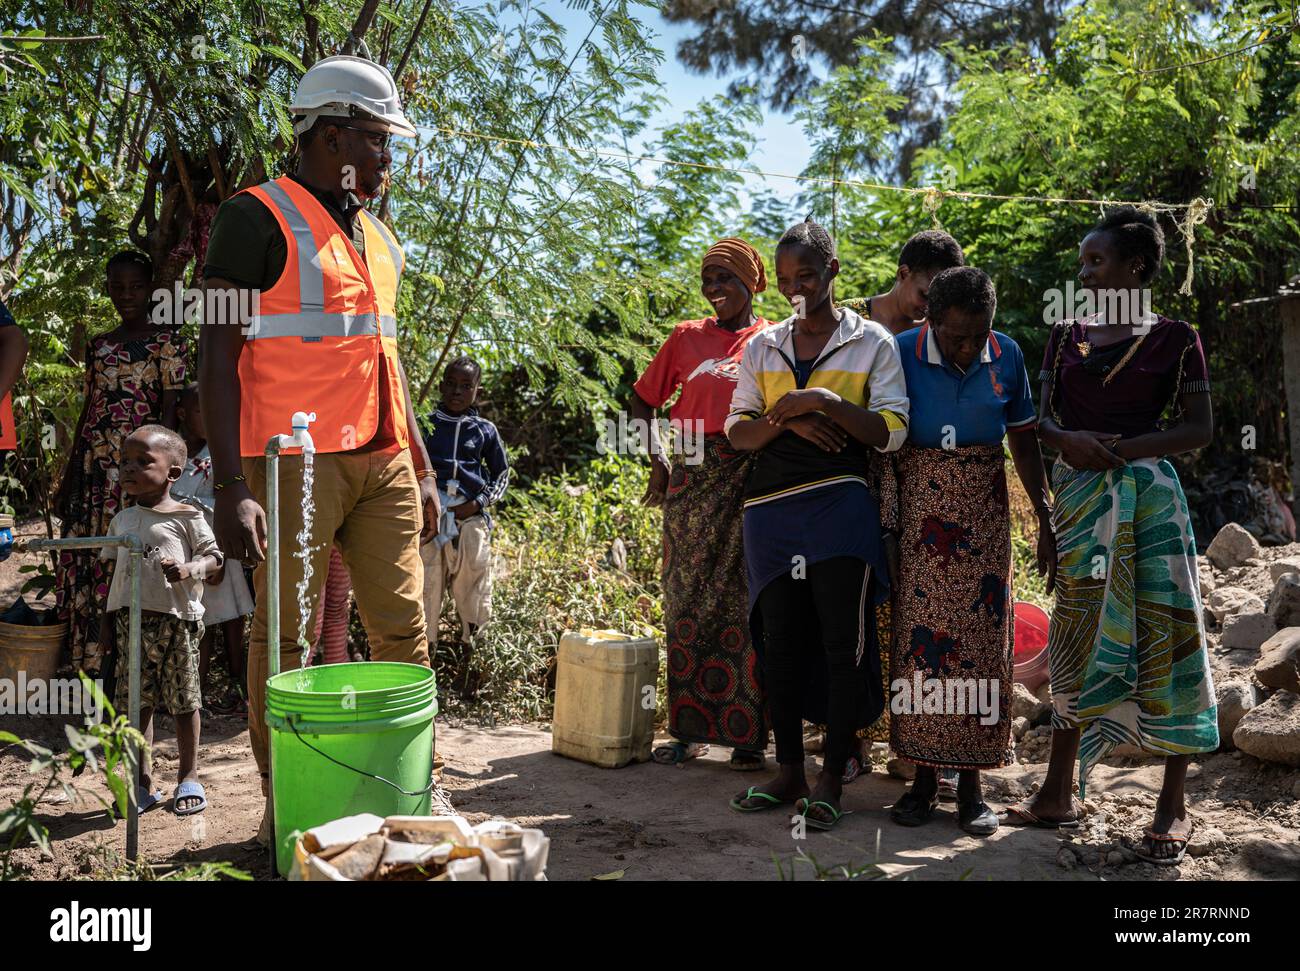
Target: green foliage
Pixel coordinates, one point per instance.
(558, 263)
(1086, 122)
(106, 863)
(557, 571)
(117, 744)
(789, 869)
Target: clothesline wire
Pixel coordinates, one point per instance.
(931, 191)
(1194, 213)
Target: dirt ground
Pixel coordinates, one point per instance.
(659, 823)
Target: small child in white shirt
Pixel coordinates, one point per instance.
(180, 554)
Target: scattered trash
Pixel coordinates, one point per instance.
(420, 848)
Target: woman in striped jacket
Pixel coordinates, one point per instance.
(815, 392)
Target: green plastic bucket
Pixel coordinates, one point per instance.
(338, 731)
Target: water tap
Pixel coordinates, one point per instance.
(301, 438)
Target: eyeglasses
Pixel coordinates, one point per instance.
(379, 139)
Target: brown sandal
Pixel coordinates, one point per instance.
(1155, 837)
(1021, 815)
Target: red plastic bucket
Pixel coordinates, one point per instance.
(1030, 656)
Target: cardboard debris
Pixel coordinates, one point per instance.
(419, 849)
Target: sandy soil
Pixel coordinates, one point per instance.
(658, 823)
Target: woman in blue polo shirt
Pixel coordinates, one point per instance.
(951, 687)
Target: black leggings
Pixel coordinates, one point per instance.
(832, 593)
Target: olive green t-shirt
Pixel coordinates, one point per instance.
(247, 247)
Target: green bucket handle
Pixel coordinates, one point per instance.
(369, 775)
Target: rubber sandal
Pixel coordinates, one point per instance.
(1020, 815)
(854, 767)
(678, 752)
(910, 810)
(742, 761)
(1165, 838)
(769, 801)
(821, 824)
(188, 790)
(146, 800)
(977, 818)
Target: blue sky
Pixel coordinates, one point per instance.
(781, 146)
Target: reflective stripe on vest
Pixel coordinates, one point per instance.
(311, 278)
(311, 326)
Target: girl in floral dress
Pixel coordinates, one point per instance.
(134, 374)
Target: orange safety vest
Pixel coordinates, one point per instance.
(320, 331)
(8, 434)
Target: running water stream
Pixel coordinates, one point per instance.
(305, 551)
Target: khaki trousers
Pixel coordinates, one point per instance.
(464, 564)
(369, 504)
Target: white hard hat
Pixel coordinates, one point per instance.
(351, 87)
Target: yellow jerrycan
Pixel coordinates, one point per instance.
(604, 697)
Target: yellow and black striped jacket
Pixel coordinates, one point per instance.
(859, 363)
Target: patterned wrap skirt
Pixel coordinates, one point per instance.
(950, 688)
(714, 692)
(1129, 661)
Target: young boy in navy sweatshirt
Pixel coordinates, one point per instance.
(473, 472)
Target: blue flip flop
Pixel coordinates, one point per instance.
(144, 799)
(185, 790)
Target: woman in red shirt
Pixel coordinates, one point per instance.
(713, 690)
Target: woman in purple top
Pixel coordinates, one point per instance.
(1127, 642)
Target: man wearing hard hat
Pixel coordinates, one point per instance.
(323, 339)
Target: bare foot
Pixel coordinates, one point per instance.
(782, 788)
(827, 790)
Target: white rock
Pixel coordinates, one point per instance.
(1018, 727)
(1025, 705)
(1290, 564)
(1206, 579)
(1207, 842)
(1246, 631)
(1225, 601)
(1235, 698)
(1271, 731)
(1284, 602)
(1279, 661)
(1044, 692)
(1232, 547)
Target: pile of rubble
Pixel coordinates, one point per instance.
(1246, 797)
(1251, 598)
